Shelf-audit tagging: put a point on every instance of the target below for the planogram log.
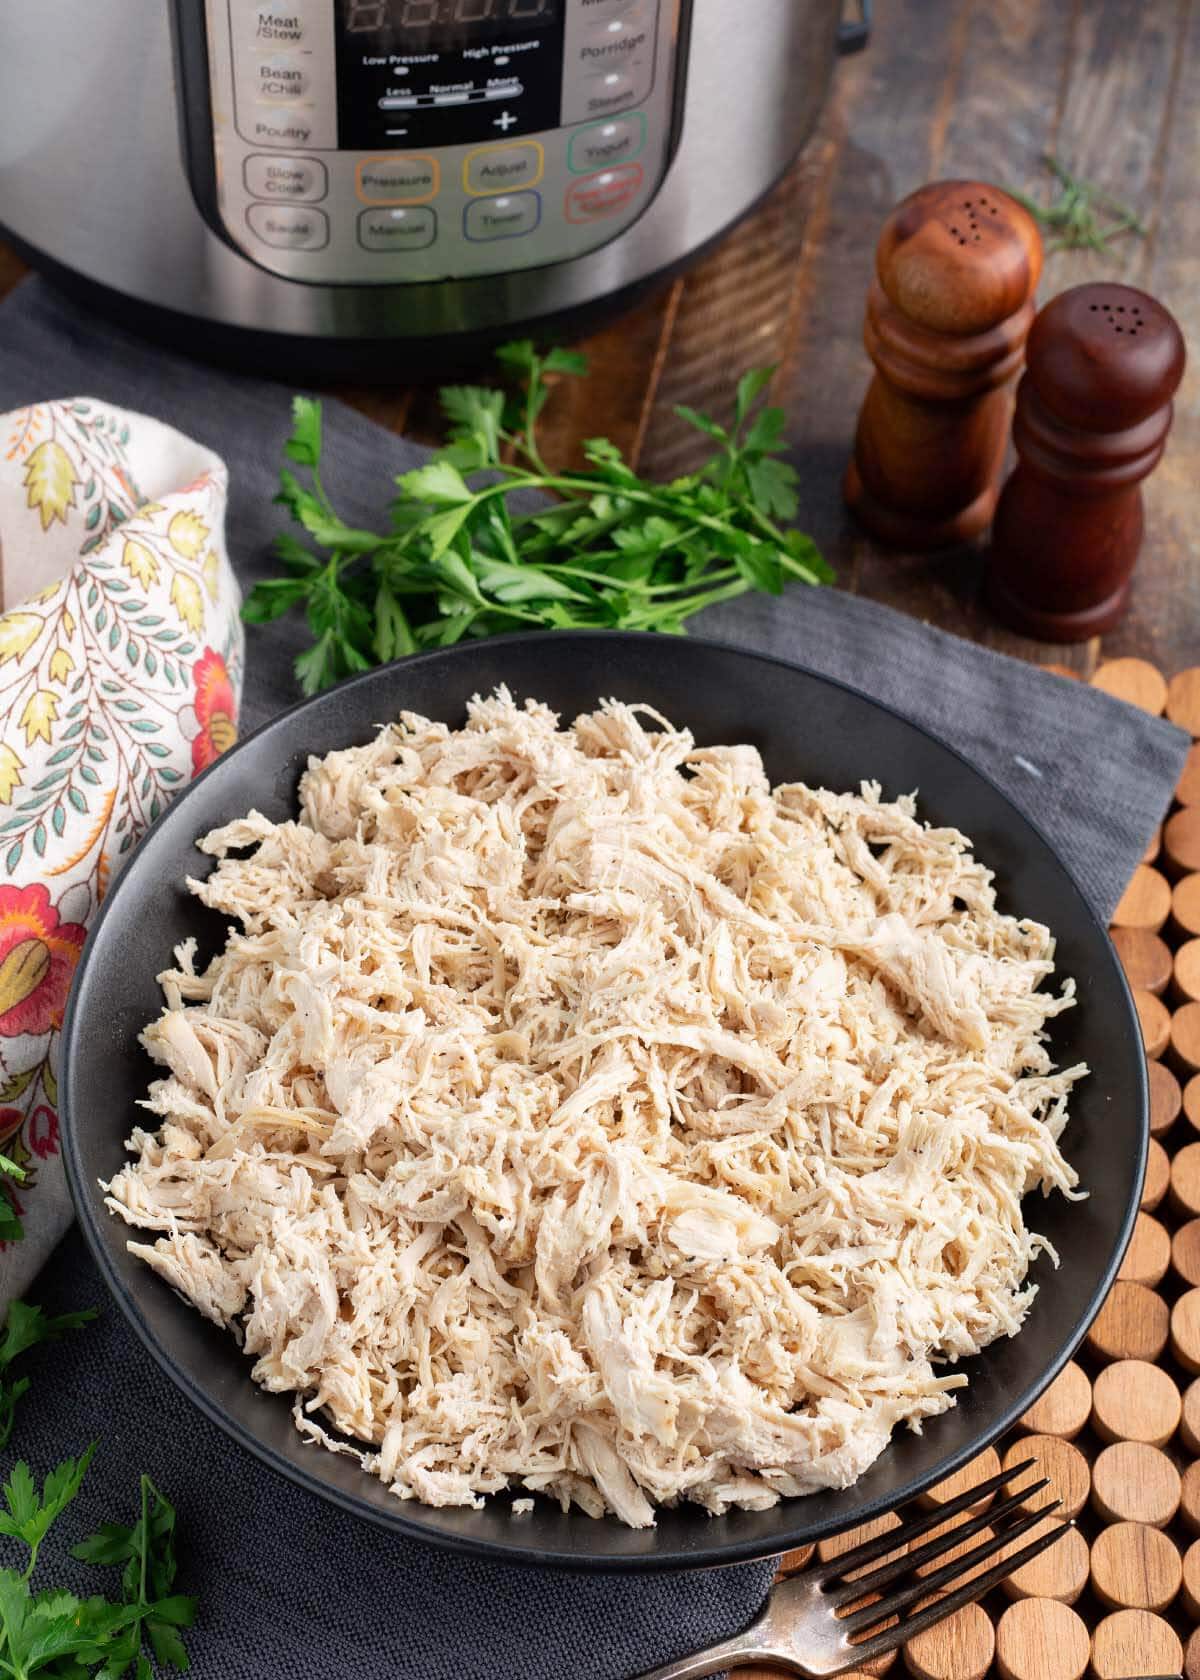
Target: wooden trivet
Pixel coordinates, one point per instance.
(1118, 1431)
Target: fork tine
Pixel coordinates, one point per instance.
(885, 1543)
(921, 1588)
(905, 1564)
(902, 1632)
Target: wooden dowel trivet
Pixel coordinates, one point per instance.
(960, 1648)
(1135, 1401)
(1185, 971)
(1185, 1253)
(1189, 1497)
(1039, 1639)
(1185, 906)
(1135, 1567)
(1190, 1591)
(1191, 1657)
(1185, 1181)
(1166, 1098)
(839, 1544)
(980, 1469)
(1060, 1572)
(1146, 901)
(1149, 1254)
(955, 1553)
(1181, 841)
(1185, 1331)
(1133, 1323)
(1158, 1176)
(1185, 1037)
(1133, 1482)
(1189, 1425)
(1134, 680)
(1187, 789)
(1064, 1408)
(1155, 1020)
(1145, 957)
(1183, 699)
(1131, 1644)
(1153, 846)
(1191, 1101)
(1063, 1465)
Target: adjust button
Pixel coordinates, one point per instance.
(506, 217)
(605, 194)
(405, 228)
(493, 169)
(298, 179)
(289, 227)
(397, 180)
(614, 141)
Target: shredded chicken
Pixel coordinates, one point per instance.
(571, 1113)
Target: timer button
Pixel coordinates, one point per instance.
(409, 228)
(397, 180)
(298, 179)
(617, 140)
(288, 227)
(605, 194)
(493, 169)
(507, 217)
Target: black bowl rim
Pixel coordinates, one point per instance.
(88, 1210)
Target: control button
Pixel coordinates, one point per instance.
(397, 180)
(601, 143)
(302, 180)
(292, 129)
(283, 79)
(506, 217)
(609, 91)
(605, 194)
(399, 229)
(279, 25)
(493, 169)
(289, 227)
(618, 40)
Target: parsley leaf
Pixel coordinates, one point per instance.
(468, 555)
(24, 1327)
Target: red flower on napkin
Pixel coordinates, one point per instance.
(216, 710)
(38, 954)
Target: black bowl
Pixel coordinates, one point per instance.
(806, 727)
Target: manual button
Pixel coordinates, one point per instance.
(288, 227)
(298, 179)
(494, 169)
(617, 140)
(405, 228)
(506, 217)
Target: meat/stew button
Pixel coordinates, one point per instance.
(604, 194)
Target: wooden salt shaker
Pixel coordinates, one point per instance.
(947, 317)
(1092, 417)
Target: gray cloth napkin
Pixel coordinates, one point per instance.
(290, 1588)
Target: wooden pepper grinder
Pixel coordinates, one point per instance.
(1093, 413)
(947, 317)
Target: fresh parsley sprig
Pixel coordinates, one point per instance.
(474, 550)
(25, 1327)
(1083, 216)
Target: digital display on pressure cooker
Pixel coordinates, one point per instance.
(445, 72)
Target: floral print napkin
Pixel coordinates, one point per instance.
(120, 678)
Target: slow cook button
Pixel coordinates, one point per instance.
(406, 228)
(397, 180)
(289, 227)
(300, 180)
(493, 169)
(506, 217)
(605, 194)
(615, 141)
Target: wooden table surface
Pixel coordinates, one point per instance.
(946, 88)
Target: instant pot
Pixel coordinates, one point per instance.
(352, 184)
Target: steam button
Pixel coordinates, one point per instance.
(296, 180)
(289, 227)
(610, 90)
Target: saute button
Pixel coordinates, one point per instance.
(405, 228)
(298, 179)
(605, 194)
(289, 227)
(493, 169)
(602, 143)
(397, 180)
(506, 217)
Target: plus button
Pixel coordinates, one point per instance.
(505, 121)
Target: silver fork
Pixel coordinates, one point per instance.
(808, 1626)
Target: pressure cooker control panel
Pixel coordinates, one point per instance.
(377, 141)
